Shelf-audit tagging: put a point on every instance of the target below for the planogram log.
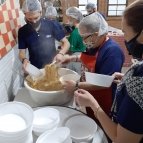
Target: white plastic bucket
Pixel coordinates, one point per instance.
(21, 110)
(26, 138)
(61, 135)
(45, 117)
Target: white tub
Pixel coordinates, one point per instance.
(51, 97)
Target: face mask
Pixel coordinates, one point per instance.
(89, 44)
(132, 47)
(138, 52)
(70, 23)
(34, 25)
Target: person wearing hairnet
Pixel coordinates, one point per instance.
(125, 124)
(39, 35)
(91, 8)
(103, 56)
(74, 16)
(46, 5)
(51, 14)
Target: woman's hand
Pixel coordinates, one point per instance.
(118, 76)
(69, 85)
(134, 60)
(84, 98)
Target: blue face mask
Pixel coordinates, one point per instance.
(132, 47)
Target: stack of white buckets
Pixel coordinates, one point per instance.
(16, 123)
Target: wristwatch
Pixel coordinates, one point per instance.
(76, 86)
(23, 60)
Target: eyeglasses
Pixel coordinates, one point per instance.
(88, 44)
(87, 37)
(88, 14)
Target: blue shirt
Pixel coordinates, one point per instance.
(103, 15)
(58, 23)
(110, 60)
(128, 113)
(41, 43)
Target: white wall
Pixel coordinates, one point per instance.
(10, 81)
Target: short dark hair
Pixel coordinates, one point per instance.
(134, 15)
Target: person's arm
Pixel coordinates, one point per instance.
(23, 59)
(106, 68)
(116, 132)
(70, 86)
(65, 46)
(74, 58)
(60, 36)
(63, 51)
(109, 66)
(22, 54)
(22, 51)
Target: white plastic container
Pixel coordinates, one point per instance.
(45, 116)
(99, 79)
(50, 97)
(45, 119)
(82, 128)
(75, 77)
(39, 131)
(33, 71)
(12, 123)
(64, 71)
(43, 134)
(23, 114)
(60, 135)
(26, 138)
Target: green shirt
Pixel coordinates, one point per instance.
(76, 42)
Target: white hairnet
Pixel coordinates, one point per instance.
(74, 12)
(93, 23)
(31, 6)
(51, 11)
(50, 0)
(90, 5)
(48, 4)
